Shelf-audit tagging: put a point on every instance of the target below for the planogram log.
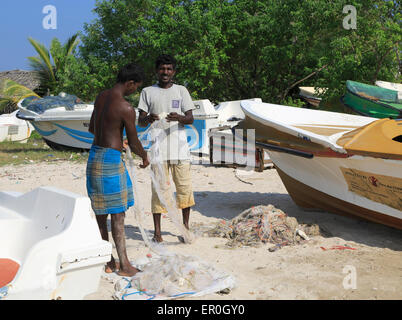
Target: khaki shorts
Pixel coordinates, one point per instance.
(181, 175)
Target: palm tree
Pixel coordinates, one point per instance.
(11, 93)
(51, 60)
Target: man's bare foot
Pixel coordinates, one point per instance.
(112, 266)
(129, 271)
(157, 239)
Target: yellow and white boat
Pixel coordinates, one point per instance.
(341, 163)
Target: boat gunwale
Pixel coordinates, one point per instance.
(295, 131)
(326, 151)
(379, 102)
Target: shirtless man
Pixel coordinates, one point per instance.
(108, 182)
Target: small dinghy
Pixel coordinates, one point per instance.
(14, 129)
(372, 101)
(51, 246)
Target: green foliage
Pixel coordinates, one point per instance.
(84, 79)
(368, 53)
(293, 102)
(11, 93)
(236, 49)
(51, 62)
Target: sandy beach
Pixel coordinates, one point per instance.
(304, 271)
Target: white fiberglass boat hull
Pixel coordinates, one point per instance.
(65, 133)
(53, 236)
(14, 129)
(357, 186)
(62, 128)
(332, 161)
(320, 129)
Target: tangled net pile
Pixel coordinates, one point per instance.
(175, 276)
(262, 224)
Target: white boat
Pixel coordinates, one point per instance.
(66, 126)
(61, 125)
(51, 247)
(311, 95)
(340, 163)
(14, 129)
(389, 85)
(224, 147)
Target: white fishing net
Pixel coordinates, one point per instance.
(167, 275)
(157, 134)
(173, 276)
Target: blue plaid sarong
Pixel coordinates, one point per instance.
(108, 183)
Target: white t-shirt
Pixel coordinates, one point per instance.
(160, 101)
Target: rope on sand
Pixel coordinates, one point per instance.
(240, 178)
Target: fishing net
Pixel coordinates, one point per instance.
(161, 182)
(167, 275)
(138, 208)
(173, 276)
(156, 133)
(39, 106)
(259, 225)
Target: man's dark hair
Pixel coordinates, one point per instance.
(129, 72)
(165, 59)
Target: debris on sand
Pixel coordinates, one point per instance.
(262, 224)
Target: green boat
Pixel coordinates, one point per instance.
(373, 101)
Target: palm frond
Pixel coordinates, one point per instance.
(11, 93)
(44, 55)
(50, 61)
(10, 89)
(38, 65)
(55, 49)
(6, 106)
(71, 43)
(43, 74)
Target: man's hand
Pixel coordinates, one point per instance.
(152, 117)
(173, 116)
(145, 163)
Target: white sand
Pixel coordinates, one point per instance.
(295, 272)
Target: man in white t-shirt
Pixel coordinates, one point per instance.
(174, 101)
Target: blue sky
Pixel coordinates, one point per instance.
(20, 19)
